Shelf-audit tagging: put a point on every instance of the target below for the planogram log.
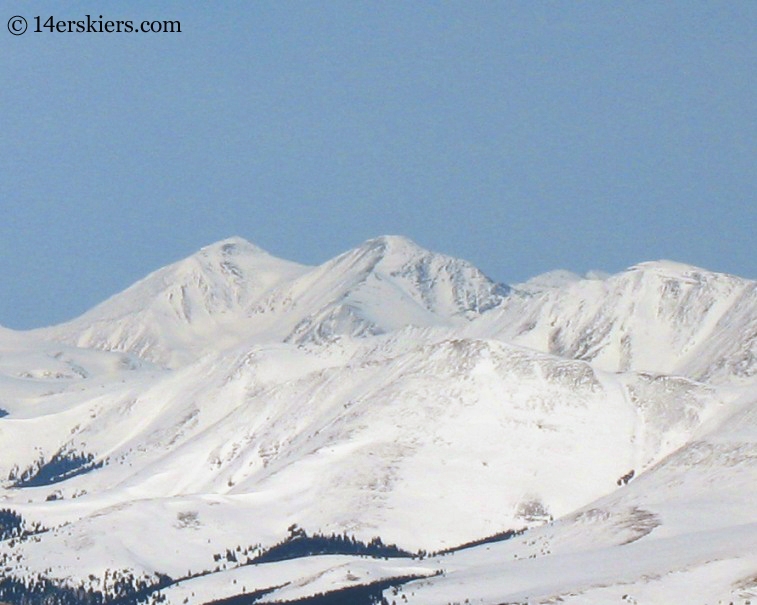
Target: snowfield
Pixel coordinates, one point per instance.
(391, 424)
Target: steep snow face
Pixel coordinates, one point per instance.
(232, 291)
(184, 310)
(658, 317)
(385, 284)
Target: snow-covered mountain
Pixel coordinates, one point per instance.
(233, 291)
(385, 284)
(683, 532)
(178, 313)
(657, 317)
(215, 430)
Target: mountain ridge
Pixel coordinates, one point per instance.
(187, 304)
(212, 409)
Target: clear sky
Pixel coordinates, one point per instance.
(521, 136)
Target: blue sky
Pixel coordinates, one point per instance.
(522, 136)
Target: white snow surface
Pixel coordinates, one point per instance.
(397, 393)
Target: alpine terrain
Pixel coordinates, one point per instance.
(391, 426)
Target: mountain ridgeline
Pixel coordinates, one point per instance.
(442, 436)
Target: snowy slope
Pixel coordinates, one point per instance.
(657, 317)
(392, 392)
(385, 284)
(233, 291)
(393, 447)
(684, 532)
(178, 313)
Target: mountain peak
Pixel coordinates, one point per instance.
(668, 268)
(392, 241)
(178, 313)
(232, 246)
(391, 245)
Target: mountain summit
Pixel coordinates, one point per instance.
(658, 317)
(173, 315)
(232, 290)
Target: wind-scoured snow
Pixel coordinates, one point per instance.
(656, 317)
